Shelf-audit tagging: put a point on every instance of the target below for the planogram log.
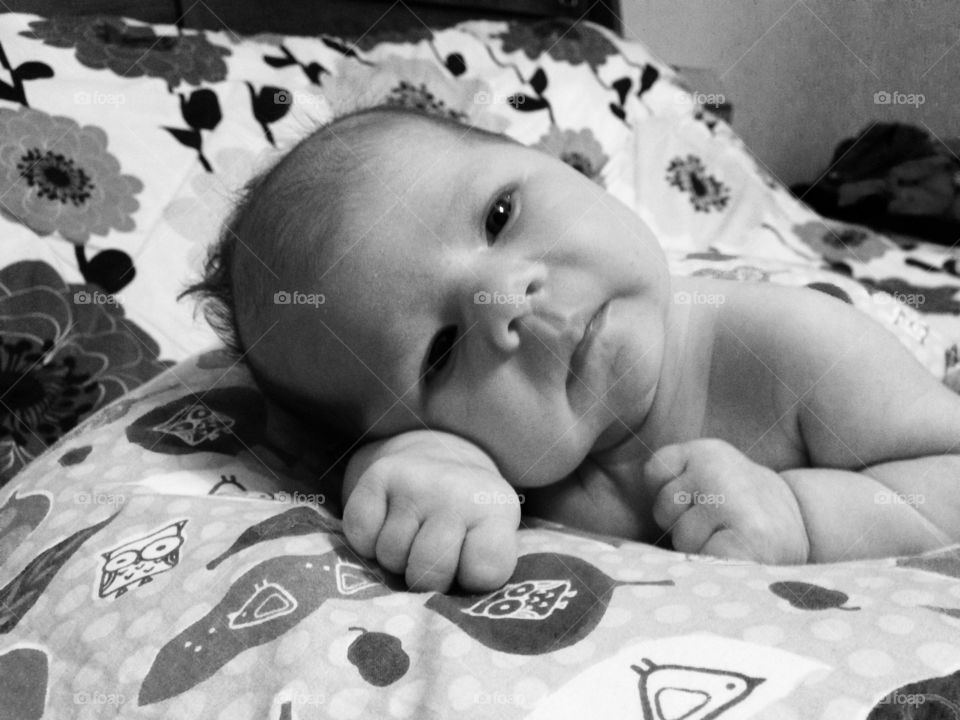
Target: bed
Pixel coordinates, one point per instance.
(169, 544)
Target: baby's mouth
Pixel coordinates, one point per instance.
(578, 360)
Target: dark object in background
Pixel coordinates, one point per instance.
(893, 178)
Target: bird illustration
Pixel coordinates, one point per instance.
(679, 692)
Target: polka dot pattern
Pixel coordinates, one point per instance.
(832, 662)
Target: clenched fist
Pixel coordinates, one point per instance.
(714, 500)
(434, 507)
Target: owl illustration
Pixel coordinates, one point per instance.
(135, 563)
(196, 424)
(678, 692)
(528, 600)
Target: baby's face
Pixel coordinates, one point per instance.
(458, 295)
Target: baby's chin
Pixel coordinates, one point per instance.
(627, 423)
(550, 468)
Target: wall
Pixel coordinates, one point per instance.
(802, 74)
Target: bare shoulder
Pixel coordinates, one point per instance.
(861, 396)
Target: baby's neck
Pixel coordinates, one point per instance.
(679, 400)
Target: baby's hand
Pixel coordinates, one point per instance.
(715, 501)
(433, 506)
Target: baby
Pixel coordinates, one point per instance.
(466, 317)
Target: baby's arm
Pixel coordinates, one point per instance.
(879, 431)
(895, 508)
(434, 507)
(715, 501)
(882, 434)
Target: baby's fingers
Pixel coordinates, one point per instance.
(489, 555)
(435, 553)
(397, 536)
(363, 517)
(665, 464)
(673, 500)
(690, 533)
(729, 544)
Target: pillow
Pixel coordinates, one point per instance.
(165, 559)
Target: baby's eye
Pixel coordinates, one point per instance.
(439, 352)
(499, 215)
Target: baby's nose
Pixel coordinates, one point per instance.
(497, 309)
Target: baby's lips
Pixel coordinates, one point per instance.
(558, 332)
(593, 328)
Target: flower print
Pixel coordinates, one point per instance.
(397, 36)
(65, 351)
(577, 148)
(747, 273)
(134, 50)
(199, 210)
(563, 40)
(60, 177)
(838, 243)
(412, 83)
(706, 192)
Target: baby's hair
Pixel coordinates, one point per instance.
(259, 237)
